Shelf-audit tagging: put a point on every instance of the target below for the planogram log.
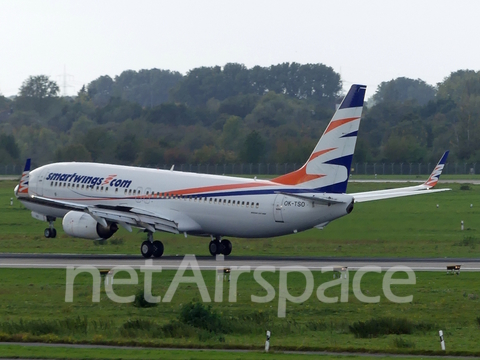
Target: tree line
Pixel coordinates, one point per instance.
(230, 114)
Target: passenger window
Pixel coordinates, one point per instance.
(83, 186)
(256, 205)
(243, 203)
(248, 203)
(101, 188)
(229, 202)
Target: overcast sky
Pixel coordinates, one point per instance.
(365, 41)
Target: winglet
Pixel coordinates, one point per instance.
(435, 175)
(23, 185)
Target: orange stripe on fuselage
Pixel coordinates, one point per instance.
(205, 189)
(337, 123)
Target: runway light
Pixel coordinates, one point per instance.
(438, 205)
(471, 205)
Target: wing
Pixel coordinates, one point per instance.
(425, 188)
(123, 215)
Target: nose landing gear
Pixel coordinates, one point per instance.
(50, 232)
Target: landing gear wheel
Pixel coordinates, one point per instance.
(50, 233)
(147, 249)
(214, 247)
(157, 249)
(227, 247)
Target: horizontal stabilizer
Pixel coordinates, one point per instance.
(372, 195)
(425, 188)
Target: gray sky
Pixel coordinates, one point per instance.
(365, 41)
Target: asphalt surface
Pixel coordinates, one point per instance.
(209, 263)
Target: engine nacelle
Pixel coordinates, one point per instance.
(82, 225)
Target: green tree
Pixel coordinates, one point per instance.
(232, 133)
(404, 89)
(403, 149)
(39, 87)
(253, 148)
(101, 90)
(127, 149)
(8, 143)
(148, 88)
(73, 152)
(37, 93)
(459, 85)
(463, 88)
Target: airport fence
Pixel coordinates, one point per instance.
(280, 169)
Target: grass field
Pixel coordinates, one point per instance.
(33, 308)
(32, 352)
(405, 227)
(10, 351)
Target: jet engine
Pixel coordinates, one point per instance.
(82, 225)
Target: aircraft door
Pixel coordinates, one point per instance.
(278, 208)
(37, 185)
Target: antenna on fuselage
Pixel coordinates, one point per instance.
(171, 169)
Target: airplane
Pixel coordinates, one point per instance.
(94, 199)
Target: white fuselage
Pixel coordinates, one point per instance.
(200, 204)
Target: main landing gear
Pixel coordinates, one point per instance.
(218, 246)
(151, 248)
(50, 232)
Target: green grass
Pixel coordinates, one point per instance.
(58, 352)
(33, 308)
(405, 227)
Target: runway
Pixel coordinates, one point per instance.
(59, 261)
